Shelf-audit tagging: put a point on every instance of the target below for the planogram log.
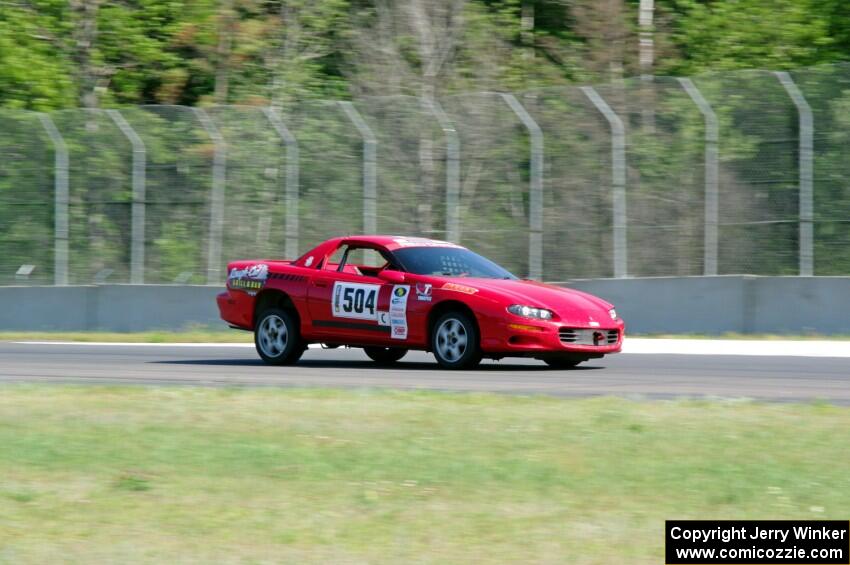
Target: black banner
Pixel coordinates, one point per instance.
(757, 542)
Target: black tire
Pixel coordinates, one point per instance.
(385, 355)
(272, 323)
(564, 362)
(455, 341)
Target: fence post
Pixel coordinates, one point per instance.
(712, 205)
(137, 229)
(618, 177)
(370, 172)
(452, 169)
(60, 198)
(216, 231)
(535, 197)
(291, 194)
(806, 167)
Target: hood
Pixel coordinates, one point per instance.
(571, 306)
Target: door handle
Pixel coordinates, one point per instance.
(320, 283)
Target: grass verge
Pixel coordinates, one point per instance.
(236, 336)
(93, 474)
(739, 336)
(189, 336)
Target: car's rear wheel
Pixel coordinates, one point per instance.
(454, 340)
(385, 355)
(277, 338)
(564, 362)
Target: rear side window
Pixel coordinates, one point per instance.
(357, 260)
(367, 258)
(334, 259)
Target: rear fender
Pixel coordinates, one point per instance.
(273, 298)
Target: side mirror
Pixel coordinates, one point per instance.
(395, 277)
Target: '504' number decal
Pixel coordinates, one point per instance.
(355, 300)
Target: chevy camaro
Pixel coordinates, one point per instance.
(390, 294)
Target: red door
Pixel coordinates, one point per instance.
(348, 308)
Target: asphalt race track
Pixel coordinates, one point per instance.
(646, 375)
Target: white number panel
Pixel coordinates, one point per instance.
(355, 300)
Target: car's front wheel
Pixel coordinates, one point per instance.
(277, 337)
(454, 341)
(385, 355)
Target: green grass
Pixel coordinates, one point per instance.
(189, 336)
(733, 335)
(93, 474)
(236, 336)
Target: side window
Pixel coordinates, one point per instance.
(363, 261)
(334, 259)
(368, 258)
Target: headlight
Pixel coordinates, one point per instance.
(530, 312)
(613, 313)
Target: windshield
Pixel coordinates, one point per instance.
(449, 262)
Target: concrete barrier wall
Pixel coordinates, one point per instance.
(740, 304)
(128, 308)
(119, 308)
(47, 308)
(710, 305)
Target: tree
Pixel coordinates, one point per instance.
(743, 34)
(35, 72)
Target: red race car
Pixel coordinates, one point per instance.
(390, 294)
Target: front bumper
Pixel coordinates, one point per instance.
(528, 337)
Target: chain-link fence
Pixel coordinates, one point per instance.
(730, 173)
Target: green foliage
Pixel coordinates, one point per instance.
(35, 72)
(133, 46)
(25, 197)
(169, 51)
(739, 34)
(292, 53)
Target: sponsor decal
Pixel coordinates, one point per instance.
(593, 324)
(398, 311)
(355, 300)
(251, 278)
(383, 318)
(243, 284)
(423, 292)
(257, 272)
(459, 288)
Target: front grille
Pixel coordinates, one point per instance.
(583, 336)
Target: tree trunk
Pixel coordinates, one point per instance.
(527, 24)
(225, 42)
(426, 165)
(646, 59)
(85, 36)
